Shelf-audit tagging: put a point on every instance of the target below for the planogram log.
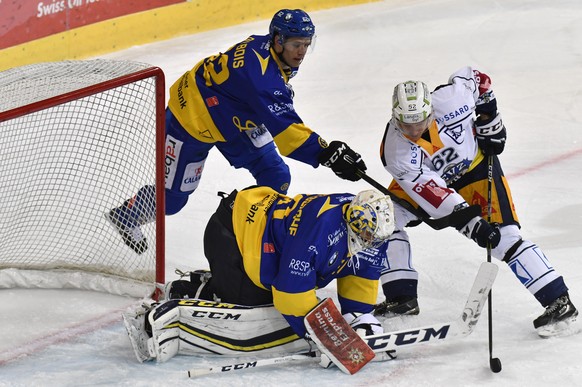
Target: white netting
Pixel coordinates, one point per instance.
(64, 167)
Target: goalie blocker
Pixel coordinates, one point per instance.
(336, 339)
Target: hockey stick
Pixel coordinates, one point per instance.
(385, 342)
(461, 327)
(296, 359)
(250, 365)
(461, 216)
(494, 363)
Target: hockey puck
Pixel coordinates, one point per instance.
(495, 365)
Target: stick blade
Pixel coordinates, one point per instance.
(478, 296)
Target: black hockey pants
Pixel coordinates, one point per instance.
(229, 279)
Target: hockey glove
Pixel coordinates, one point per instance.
(365, 324)
(342, 160)
(491, 135)
(481, 232)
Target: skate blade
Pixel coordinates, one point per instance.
(564, 328)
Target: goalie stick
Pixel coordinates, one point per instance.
(383, 343)
(461, 216)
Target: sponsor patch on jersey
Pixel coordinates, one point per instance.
(259, 136)
(212, 101)
(335, 237)
(173, 147)
(192, 175)
(432, 193)
(299, 267)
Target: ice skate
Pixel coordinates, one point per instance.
(400, 306)
(557, 319)
(129, 231)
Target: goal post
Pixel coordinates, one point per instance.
(77, 138)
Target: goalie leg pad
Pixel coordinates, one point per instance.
(336, 339)
(165, 341)
(134, 322)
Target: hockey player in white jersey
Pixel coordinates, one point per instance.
(437, 147)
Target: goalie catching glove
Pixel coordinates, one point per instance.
(491, 134)
(342, 160)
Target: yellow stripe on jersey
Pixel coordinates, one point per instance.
(478, 158)
(292, 138)
(275, 57)
(264, 62)
(326, 206)
(435, 143)
(358, 289)
(249, 220)
(190, 110)
(295, 304)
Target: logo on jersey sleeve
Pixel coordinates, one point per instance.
(192, 175)
(432, 193)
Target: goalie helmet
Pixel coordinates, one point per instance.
(291, 23)
(370, 220)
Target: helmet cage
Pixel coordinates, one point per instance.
(370, 220)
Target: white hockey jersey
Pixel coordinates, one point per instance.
(425, 168)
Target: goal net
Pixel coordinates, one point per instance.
(77, 138)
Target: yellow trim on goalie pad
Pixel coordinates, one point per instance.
(235, 347)
(358, 289)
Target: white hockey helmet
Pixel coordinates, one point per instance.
(411, 102)
(370, 220)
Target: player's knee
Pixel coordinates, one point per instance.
(509, 237)
(175, 201)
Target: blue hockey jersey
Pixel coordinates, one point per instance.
(244, 89)
(293, 246)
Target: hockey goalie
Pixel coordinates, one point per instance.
(268, 254)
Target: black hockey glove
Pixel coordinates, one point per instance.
(481, 232)
(491, 135)
(342, 160)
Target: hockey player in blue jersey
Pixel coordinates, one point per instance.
(268, 255)
(240, 102)
(264, 247)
